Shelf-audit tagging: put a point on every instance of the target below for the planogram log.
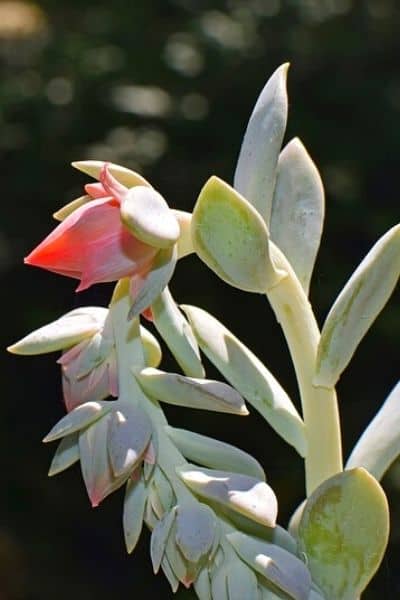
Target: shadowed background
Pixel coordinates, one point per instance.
(166, 88)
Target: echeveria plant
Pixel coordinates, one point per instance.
(210, 510)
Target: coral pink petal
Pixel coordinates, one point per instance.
(147, 313)
(111, 185)
(96, 190)
(149, 455)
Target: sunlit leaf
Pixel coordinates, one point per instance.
(343, 532)
(357, 306)
(298, 210)
(256, 167)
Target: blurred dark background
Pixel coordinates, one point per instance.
(166, 87)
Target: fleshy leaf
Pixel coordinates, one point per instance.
(241, 582)
(256, 167)
(298, 210)
(202, 585)
(169, 574)
(134, 505)
(219, 583)
(68, 330)
(246, 495)
(379, 445)
(79, 418)
(357, 306)
(196, 528)
(129, 434)
(177, 334)
(185, 244)
(214, 454)
(161, 494)
(159, 538)
(148, 217)
(179, 390)
(232, 239)
(125, 176)
(155, 281)
(344, 532)
(248, 375)
(95, 464)
(64, 212)
(285, 572)
(66, 454)
(151, 348)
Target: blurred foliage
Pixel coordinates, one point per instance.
(166, 87)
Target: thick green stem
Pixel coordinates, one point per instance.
(320, 410)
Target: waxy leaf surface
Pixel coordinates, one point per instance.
(256, 167)
(343, 532)
(298, 210)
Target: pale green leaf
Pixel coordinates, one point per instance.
(196, 529)
(256, 167)
(122, 174)
(159, 538)
(68, 330)
(298, 210)
(232, 239)
(64, 212)
(214, 454)
(134, 506)
(379, 445)
(241, 582)
(155, 281)
(285, 572)
(129, 435)
(343, 532)
(66, 454)
(151, 348)
(179, 390)
(79, 418)
(148, 217)
(246, 495)
(248, 375)
(177, 334)
(357, 306)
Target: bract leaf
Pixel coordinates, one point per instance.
(248, 375)
(134, 505)
(215, 454)
(177, 334)
(202, 585)
(298, 210)
(344, 532)
(155, 281)
(159, 538)
(185, 244)
(219, 583)
(169, 574)
(379, 445)
(125, 176)
(151, 348)
(95, 464)
(230, 236)
(196, 529)
(283, 571)
(68, 330)
(241, 582)
(148, 217)
(161, 494)
(66, 454)
(63, 212)
(179, 390)
(241, 493)
(357, 306)
(79, 418)
(256, 166)
(129, 434)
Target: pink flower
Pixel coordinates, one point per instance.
(92, 244)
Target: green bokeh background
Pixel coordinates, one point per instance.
(166, 87)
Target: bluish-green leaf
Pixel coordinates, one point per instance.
(256, 167)
(379, 445)
(298, 210)
(357, 306)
